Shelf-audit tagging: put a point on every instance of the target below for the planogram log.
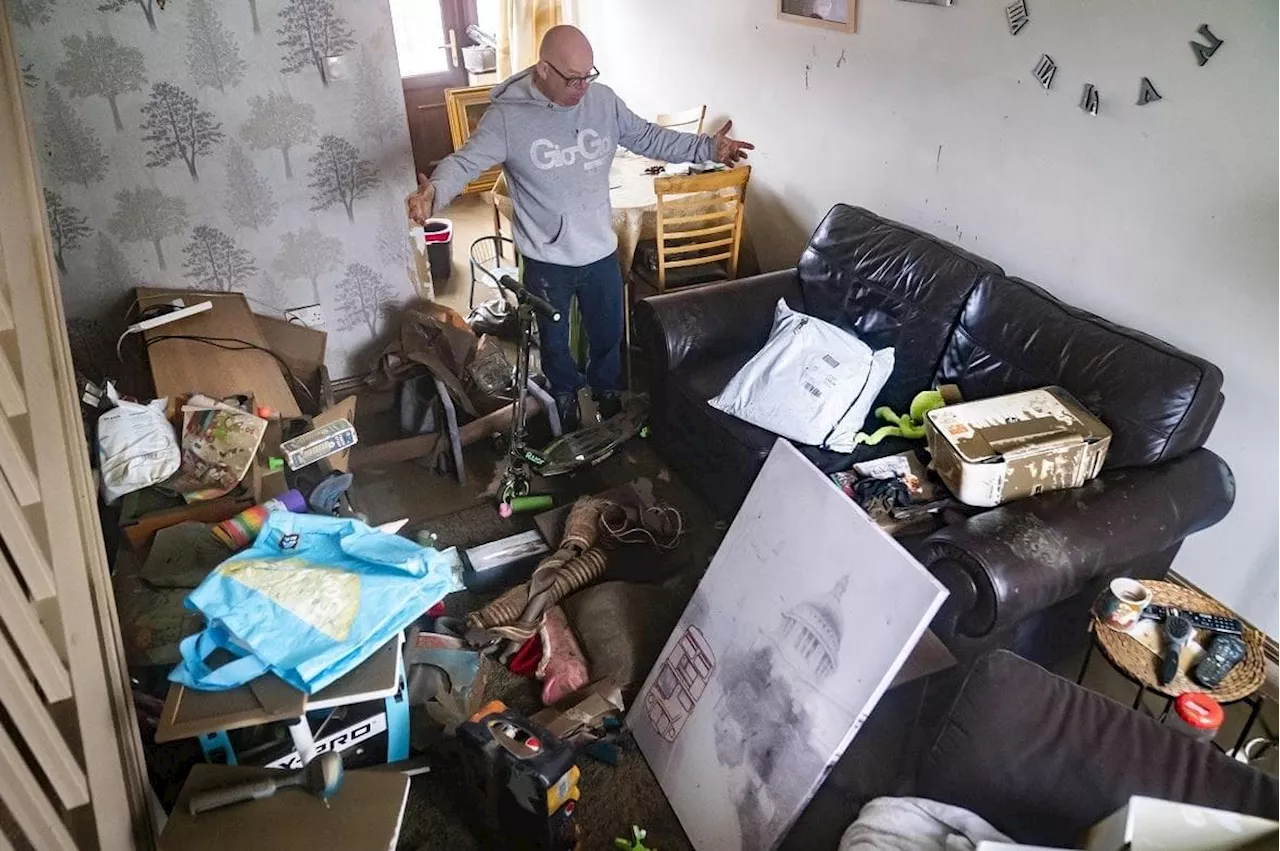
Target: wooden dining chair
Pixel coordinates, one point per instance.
(688, 120)
(699, 229)
(500, 198)
(698, 240)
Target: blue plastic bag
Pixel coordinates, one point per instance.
(311, 599)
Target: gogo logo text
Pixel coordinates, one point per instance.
(591, 148)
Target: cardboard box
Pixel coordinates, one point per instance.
(1150, 824)
(991, 451)
(329, 439)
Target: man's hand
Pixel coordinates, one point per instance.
(729, 151)
(420, 203)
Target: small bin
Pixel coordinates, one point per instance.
(438, 235)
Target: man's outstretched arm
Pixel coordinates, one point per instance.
(486, 147)
(672, 146)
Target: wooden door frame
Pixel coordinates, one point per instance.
(94, 730)
(463, 12)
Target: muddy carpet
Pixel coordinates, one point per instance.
(614, 797)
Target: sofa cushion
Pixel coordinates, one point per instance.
(1158, 401)
(892, 286)
(1043, 759)
(720, 453)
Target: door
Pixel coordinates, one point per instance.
(72, 773)
(430, 35)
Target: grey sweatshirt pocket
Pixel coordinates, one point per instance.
(558, 231)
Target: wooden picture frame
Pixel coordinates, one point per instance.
(840, 15)
(464, 107)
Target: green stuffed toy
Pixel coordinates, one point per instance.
(910, 426)
(636, 842)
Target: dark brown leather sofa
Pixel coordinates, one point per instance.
(1021, 575)
(1043, 759)
(1038, 756)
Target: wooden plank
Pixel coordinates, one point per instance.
(29, 635)
(27, 804)
(12, 399)
(711, 181)
(179, 367)
(16, 467)
(363, 457)
(26, 550)
(698, 261)
(39, 732)
(673, 234)
(698, 217)
(696, 246)
(55, 422)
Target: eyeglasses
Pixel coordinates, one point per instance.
(576, 82)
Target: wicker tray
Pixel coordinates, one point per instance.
(1132, 658)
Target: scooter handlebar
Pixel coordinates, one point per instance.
(524, 296)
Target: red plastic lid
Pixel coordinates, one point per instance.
(1199, 711)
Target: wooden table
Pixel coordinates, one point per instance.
(1141, 665)
(364, 815)
(179, 367)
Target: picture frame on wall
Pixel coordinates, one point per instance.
(839, 15)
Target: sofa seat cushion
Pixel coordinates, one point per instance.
(892, 286)
(1159, 402)
(717, 442)
(1043, 759)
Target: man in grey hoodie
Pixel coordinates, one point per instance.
(555, 131)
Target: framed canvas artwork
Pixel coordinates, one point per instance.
(803, 618)
(833, 14)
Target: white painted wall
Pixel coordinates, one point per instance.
(1161, 217)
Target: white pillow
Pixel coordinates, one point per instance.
(812, 382)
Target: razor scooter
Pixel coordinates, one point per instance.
(583, 448)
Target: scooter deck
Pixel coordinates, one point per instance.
(591, 445)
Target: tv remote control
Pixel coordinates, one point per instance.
(1200, 620)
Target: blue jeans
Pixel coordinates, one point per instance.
(598, 287)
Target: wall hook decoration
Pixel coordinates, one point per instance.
(1147, 94)
(1017, 16)
(1089, 100)
(1204, 51)
(1045, 70)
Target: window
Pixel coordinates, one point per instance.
(419, 31)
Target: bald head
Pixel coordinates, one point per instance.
(567, 48)
(565, 65)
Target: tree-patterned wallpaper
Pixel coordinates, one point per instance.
(255, 146)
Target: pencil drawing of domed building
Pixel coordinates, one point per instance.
(810, 634)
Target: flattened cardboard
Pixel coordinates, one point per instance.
(300, 347)
(1150, 824)
(991, 451)
(365, 815)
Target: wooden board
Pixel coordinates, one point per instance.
(188, 712)
(179, 367)
(364, 816)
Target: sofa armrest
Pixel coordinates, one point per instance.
(686, 326)
(1021, 558)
